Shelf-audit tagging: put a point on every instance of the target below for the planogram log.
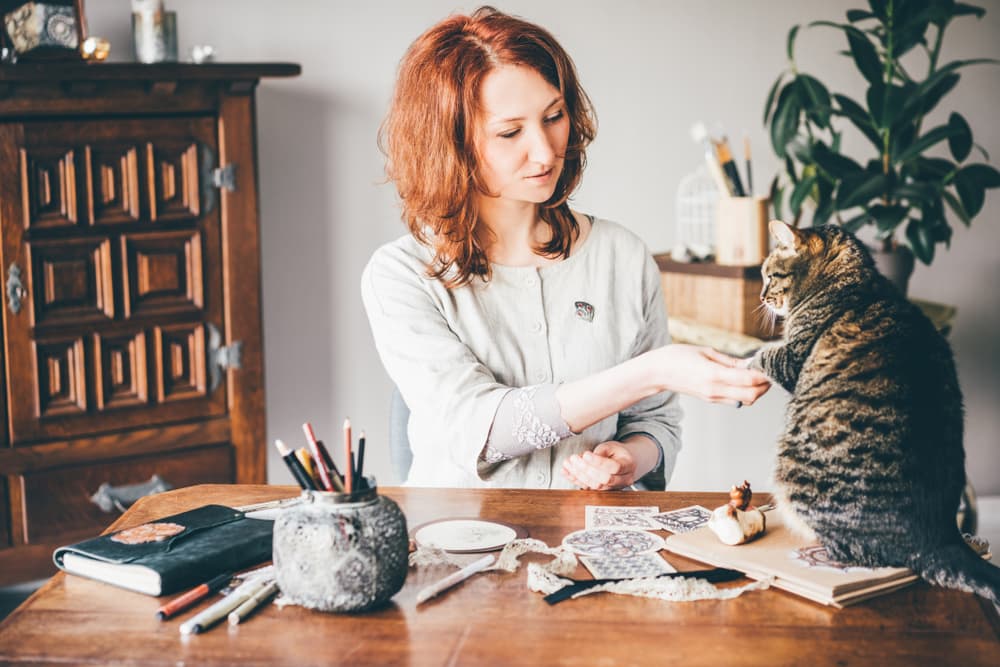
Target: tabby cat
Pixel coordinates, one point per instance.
(871, 462)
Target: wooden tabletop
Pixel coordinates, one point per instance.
(493, 619)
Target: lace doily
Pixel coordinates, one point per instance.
(548, 578)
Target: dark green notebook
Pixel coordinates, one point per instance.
(172, 553)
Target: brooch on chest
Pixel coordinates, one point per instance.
(584, 311)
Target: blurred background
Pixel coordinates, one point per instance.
(651, 69)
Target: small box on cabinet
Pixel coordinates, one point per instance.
(725, 297)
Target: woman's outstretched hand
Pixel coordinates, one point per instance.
(709, 375)
(611, 465)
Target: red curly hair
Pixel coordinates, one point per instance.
(428, 136)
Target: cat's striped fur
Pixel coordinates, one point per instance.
(871, 460)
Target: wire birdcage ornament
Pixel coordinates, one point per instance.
(697, 201)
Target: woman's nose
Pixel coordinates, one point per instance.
(541, 150)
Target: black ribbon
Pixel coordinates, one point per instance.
(715, 575)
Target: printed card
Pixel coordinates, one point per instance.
(609, 516)
(631, 567)
(682, 520)
(614, 542)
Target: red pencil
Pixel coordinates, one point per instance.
(324, 474)
(194, 595)
(349, 466)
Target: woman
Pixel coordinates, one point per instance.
(528, 340)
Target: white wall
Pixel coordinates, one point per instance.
(651, 68)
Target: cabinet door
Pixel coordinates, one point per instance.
(117, 250)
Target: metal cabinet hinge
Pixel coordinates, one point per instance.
(224, 178)
(221, 357)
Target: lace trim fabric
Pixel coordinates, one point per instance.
(549, 577)
(528, 419)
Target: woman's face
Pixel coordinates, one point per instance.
(522, 135)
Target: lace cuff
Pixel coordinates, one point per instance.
(527, 419)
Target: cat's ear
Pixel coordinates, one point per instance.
(784, 234)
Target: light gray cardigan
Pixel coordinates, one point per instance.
(455, 354)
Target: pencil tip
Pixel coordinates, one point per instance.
(282, 447)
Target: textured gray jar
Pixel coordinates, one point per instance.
(340, 552)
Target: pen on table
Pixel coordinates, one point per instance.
(359, 474)
(348, 458)
(298, 472)
(237, 615)
(324, 474)
(454, 578)
(220, 610)
(747, 159)
(194, 595)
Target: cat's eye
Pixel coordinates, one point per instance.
(776, 274)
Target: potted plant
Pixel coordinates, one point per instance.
(895, 186)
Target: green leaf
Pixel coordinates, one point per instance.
(983, 174)
(970, 191)
(837, 165)
(915, 192)
(770, 97)
(861, 189)
(887, 218)
(824, 201)
(920, 241)
(801, 191)
(816, 98)
(938, 134)
(878, 8)
(865, 56)
(859, 117)
(791, 41)
(886, 102)
(786, 119)
(962, 9)
(857, 222)
(855, 15)
(957, 207)
(923, 98)
(774, 194)
(960, 143)
(933, 168)
(801, 150)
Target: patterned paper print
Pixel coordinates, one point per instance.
(607, 516)
(612, 542)
(682, 520)
(631, 567)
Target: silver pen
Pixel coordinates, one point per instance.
(256, 600)
(454, 578)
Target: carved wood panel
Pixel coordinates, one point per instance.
(4, 514)
(48, 183)
(62, 377)
(71, 280)
(114, 335)
(180, 362)
(175, 179)
(121, 377)
(113, 183)
(162, 272)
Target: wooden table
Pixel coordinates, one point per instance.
(493, 619)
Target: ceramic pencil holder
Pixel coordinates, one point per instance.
(340, 552)
(741, 231)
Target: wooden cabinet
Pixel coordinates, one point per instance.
(131, 316)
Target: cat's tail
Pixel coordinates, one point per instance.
(958, 566)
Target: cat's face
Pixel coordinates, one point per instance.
(781, 267)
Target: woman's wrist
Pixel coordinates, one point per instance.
(645, 453)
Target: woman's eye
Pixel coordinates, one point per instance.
(554, 118)
(510, 134)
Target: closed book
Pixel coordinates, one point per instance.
(172, 553)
